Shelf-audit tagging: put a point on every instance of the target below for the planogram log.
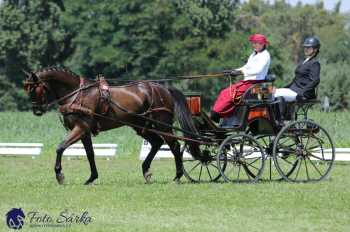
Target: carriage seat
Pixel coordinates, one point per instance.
(300, 108)
(303, 100)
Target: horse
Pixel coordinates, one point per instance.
(92, 106)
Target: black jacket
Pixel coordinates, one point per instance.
(307, 77)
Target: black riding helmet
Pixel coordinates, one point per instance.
(312, 42)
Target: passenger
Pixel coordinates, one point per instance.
(307, 74)
(254, 71)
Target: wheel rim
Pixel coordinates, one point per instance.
(243, 158)
(204, 170)
(303, 152)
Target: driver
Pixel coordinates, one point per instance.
(254, 71)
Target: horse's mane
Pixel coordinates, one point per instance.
(55, 69)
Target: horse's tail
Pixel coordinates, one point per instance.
(183, 115)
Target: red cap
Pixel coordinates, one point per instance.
(258, 38)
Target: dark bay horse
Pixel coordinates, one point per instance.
(89, 107)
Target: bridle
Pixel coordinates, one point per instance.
(37, 91)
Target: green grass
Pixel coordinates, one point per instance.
(120, 201)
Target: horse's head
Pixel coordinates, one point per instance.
(37, 91)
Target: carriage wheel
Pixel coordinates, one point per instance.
(242, 157)
(303, 152)
(204, 170)
(267, 142)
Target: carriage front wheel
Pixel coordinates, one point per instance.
(303, 152)
(203, 169)
(243, 158)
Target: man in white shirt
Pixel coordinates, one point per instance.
(254, 71)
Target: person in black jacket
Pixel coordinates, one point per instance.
(307, 74)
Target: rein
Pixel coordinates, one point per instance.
(172, 78)
(72, 93)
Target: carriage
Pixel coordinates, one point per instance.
(254, 139)
(238, 150)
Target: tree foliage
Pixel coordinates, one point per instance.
(150, 39)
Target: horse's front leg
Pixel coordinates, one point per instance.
(75, 134)
(91, 157)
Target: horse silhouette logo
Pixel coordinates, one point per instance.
(15, 218)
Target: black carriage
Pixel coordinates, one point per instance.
(257, 137)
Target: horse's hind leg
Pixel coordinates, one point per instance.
(75, 135)
(86, 140)
(175, 148)
(156, 142)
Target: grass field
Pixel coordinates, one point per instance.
(120, 201)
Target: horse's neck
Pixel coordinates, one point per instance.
(61, 83)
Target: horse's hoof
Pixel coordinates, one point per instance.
(177, 180)
(60, 178)
(90, 181)
(147, 177)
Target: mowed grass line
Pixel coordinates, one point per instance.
(120, 201)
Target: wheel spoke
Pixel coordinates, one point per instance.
(315, 167)
(247, 172)
(296, 176)
(200, 173)
(313, 149)
(249, 164)
(319, 158)
(194, 167)
(257, 159)
(308, 139)
(287, 139)
(307, 170)
(214, 166)
(209, 173)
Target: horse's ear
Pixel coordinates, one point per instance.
(34, 76)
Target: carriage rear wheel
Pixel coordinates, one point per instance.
(205, 169)
(271, 173)
(243, 158)
(303, 152)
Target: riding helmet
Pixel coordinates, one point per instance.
(312, 41)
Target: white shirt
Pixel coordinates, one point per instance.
(257, 66)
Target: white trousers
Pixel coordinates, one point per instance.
(288, 94)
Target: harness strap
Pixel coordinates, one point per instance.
(71, 94)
